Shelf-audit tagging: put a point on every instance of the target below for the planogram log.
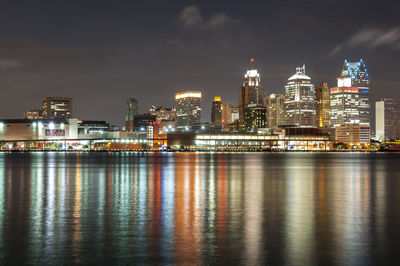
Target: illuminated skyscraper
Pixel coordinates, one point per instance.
(300, 107)
(216, 111)
(323, 106)
(349, 101)
(188, 110)
(275, 104)
(57, 108)
(250, 92)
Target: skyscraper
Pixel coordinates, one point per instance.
(162, 113)
(323, 106)
(275, 104)
(188, 110)
(300, 107)
(216, 111)
(349, 101)
(57, 108)
(132, 109)
(387, 112)
(250, 92)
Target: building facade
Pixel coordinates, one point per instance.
(230, 117)
(300, 107)
(188, 110)
(57, 108)
(250, 92)
(254, 117)
(353, 133)
(275, 104)
(216, 111)
(323, 105)
(387, 113)
(33, 114)
(162, 113)
(349, 101)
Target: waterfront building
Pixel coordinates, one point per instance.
(322, 105)
(33, 114)
(254, 117)
(142, 121)
(162, 113)
(354, 134)
(300, 107)
(349, 101)
(250, 92)
(387, 112)
(188, 110)
(132, 109)
(57, 108)
(216, 111)
(275, 104)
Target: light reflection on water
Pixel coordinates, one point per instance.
(199, 208)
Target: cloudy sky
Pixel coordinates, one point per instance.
(102, 52)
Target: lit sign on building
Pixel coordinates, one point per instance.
(54, 132)
(187, 95)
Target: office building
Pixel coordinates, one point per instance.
(387, 112)
(254, 117)
(57, 108)
(250, 92)
(132, 109)
(349, 101)
(188, 110)
(33, 114)
(142, 121)
(354, 134)
(300, 107)
(216, 111)
(275, 104)
(230, 117)
(162, 113)
(323, 105)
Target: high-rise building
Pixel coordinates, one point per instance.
(300, 107)
(230, 117)
(188, 110)
(132, 109)
(349, 101)
(57, 108)
(162, 113)
(254, 117)
(387, 112)
(33, 114)
(216, 111)
(250, 92)
(323, 105)
(275, 104)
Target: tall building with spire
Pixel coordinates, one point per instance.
(250, 92)
(349, 101)
(300, 106)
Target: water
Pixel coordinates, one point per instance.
(200, 208)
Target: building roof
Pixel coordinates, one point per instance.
(300, 74)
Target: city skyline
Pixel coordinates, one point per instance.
(105, 50)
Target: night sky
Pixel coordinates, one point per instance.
(102, 52)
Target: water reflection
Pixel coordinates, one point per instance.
(199, 208)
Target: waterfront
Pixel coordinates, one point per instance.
(199, 208)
